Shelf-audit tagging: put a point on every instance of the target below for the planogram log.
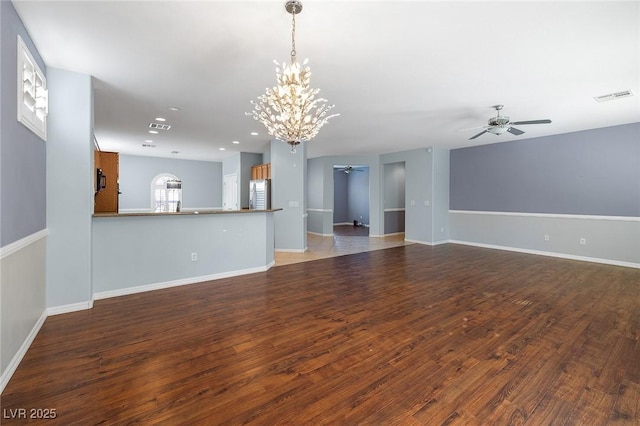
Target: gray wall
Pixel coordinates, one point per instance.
(341, 198)
(201, 181)
(288, 192)
(425, 214)
(394, 183)
(70, 195)
(131, 254)
(594, 172)
(23, 208)
(358, 189)
(23, 160)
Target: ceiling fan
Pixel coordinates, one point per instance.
(501, 123)
(347, 169)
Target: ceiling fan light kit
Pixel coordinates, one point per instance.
(502, 124)
(290, 111)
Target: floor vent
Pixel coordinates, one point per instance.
(613, 96)
(159, 126)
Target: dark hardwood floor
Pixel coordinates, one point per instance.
(412, 335)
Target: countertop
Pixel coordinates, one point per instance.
(185, 213)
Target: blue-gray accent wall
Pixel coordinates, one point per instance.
(23, 154)
(340, 197)
(358, 187)
(592, 172)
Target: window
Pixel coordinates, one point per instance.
(166, 193)
(33, 97)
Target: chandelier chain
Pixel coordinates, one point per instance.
(293, 36)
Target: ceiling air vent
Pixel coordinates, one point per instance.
(159, 126)
(612, 96)
(148, 145)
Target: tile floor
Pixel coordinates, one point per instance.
(338, 245)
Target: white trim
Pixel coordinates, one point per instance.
(390, 234)
(16, 246)
(180, 282)
(322, 235)
(292, 250)
(72, 307)
(342, 223)
(321, 210)
(427, 243)
(552, 215)
(550, 254)
(17, 358)
(400, 209)
(27, 116)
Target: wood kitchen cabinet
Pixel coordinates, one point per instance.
(106, 199)
(261, 171)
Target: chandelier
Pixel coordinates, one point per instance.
(290, 111)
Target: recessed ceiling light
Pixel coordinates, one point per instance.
(160, 119)
(236, 142)
(174, 108)
(155, 132)
(254, 133)
(222, 149)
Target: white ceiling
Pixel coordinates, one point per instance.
(402, 74)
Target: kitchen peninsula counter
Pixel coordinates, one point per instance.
(183, 213)
(137, 252)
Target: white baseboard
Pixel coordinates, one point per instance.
(291, 250)
(180, 282)
(73, 307)
(17, 358)
(427, 243)
(391, 234)
(550, 254)
(322, 235)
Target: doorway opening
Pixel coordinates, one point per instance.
(351, 200)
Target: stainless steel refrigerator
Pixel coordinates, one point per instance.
(260, 194)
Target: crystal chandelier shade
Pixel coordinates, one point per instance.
(291, 111)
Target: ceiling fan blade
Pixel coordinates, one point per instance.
(546, 121)
(514, 131)
(473, 128)
(479, 134)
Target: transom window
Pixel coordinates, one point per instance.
(166, 193)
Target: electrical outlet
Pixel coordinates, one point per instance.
(194, 257)
(583, 241)
(546, 237)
